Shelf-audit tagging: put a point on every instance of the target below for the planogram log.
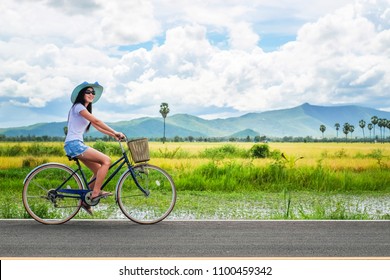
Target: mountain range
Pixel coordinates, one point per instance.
(300, 121)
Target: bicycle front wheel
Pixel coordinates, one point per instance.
(156, 204)
(42, 200)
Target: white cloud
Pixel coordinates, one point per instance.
(339, 56)
(333, 61)
(128, 22)
(243, 37)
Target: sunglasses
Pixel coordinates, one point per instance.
(90, 91)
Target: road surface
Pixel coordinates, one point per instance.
(122, 238)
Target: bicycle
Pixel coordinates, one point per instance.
(146, 194)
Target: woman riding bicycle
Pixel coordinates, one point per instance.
(80, 119)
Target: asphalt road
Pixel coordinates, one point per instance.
(122, 238)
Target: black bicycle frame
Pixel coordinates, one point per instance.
(122, 160)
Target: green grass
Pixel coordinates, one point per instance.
(233, 176)
(223, 181)
(231, 190)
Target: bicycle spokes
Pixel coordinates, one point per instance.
(43, 201)
(149, 201)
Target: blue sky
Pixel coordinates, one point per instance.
(213, 59)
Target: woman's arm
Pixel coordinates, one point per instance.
(103, 130)
(100, 125)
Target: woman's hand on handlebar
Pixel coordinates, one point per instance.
(119, 136)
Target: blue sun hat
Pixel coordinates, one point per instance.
(97, 88)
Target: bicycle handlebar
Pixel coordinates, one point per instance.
(120, 142)
(124, 138)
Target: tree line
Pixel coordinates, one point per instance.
(347, 128)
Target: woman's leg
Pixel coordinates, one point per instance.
(94, 167)
(99, 163)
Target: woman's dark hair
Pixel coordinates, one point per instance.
(80, 99)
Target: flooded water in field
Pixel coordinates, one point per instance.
(266, 206)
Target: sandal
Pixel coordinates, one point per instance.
(102, 194)
(87, 208)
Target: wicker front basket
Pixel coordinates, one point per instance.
(139, 150)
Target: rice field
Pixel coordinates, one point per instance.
(222, 180)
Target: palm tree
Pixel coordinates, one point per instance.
(351, 129)
(164, 110)
(322, 129)
(385, 125)
(374, 121)
(388, 124)
(337, 126)
(346, 130)
(362, 124)
(382, 123)
(369, 126)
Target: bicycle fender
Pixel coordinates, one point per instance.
(121, 178)
(117, 184)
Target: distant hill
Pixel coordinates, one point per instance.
(303, 120)
(245, 133)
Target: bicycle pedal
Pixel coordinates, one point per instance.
(89, 201)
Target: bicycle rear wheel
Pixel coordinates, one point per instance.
(43, 202)
(148, 208)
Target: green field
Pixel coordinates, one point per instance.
(226, 181)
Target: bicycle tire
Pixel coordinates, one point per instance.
(141, 208)
(40, 199)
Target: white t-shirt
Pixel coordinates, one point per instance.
(76, 123)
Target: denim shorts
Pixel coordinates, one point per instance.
(75, 148)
